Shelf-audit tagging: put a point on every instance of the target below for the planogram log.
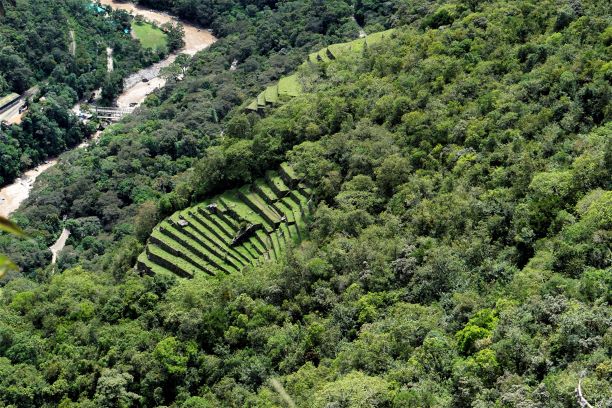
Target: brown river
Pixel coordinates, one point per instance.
(135, 91)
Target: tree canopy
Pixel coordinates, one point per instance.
(459, 250)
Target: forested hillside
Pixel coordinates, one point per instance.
(458, 252)
(140, 161)
(58, 50)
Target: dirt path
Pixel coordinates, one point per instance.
(362, 32)
(59, 245)
(109, 59)
(72, 43)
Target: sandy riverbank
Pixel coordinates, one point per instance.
(135, 89)
(14, 194)
(196, 38)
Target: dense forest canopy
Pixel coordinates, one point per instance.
(459, 252)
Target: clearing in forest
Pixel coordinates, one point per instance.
(149, 35)
(290, 86)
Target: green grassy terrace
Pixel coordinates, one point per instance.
(232, 231)
(290, 86)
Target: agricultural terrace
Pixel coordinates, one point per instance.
(236, 229)
(290, 86)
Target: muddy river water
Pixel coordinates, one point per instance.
(135, 91)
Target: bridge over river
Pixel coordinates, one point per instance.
(111, 113)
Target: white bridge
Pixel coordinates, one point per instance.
(113, 114)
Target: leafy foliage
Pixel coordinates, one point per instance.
(478, 276)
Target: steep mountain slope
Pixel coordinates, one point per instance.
(458, 256)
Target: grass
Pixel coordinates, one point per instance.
(276, 244)
(260, 207)
(262, 241)
(305, 189)
(182, 251)
(208, 257)
(265, 189)
(248, 245)
(289, 86)
(286, 210)
(202, 230)
(253, 105)
(271, 94)
(171, 259)
(243, 210)
(293, 207)
(216, 233)
(338, 49)
(216, 221)
(211, 249)
(298, 199)
(376, 38)
(286, 236)
(289, 171)
(295, 233)
(261, 100)
(256, 243)
(156, 269)
(206, 247)
(149, 35)
(323, 55)
(278, 183)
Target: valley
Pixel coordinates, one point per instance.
(134, 93)
(357, 204)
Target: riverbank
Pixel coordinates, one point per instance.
(142, 83)
(196, 38)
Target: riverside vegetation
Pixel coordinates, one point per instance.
(457, 251)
